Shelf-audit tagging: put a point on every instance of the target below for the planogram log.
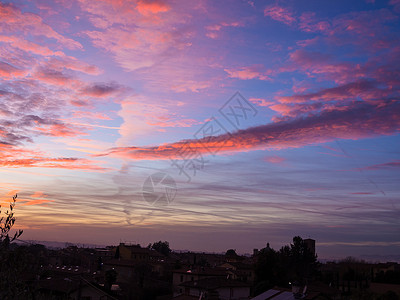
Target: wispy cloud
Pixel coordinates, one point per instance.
(394, 165)
(280, 13)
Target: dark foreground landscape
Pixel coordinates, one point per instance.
(130, 271)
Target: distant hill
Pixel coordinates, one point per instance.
(59, 245)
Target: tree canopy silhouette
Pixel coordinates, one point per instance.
(161, 247)
(293, 262)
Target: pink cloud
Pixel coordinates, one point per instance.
(396, 5)
(138, 48)
(141, 35)
(323, 66)
(68, 62)
(274, 159)
(54, 77)
(251, 72)
(90, 115)
(105, 13)
(309, 23)
(349, 91)
(143, 116)
(294, 110)
(60, 130)
(13, 20)
(366, 29)
(212, 35)
(307, 42)
(364, 23)
(261, 101)
(190, 85)
(26, 45)
(156, 46)
(9, 71)
(389, 165)
(214, 29)
(99, 90)
(80, 102)
(280, 14)
(170, 122)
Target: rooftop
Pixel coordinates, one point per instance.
(214, 283)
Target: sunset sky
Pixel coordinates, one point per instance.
(96, 96)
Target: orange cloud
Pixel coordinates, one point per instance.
(147, 7)
(12, 193)
(14, 157)
(35, 202)
(38, 194)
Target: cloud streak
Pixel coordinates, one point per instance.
(359, 120)
(13, 157)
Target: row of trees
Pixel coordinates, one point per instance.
(294, 262)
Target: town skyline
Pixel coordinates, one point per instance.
(370, 258)
(211, 126)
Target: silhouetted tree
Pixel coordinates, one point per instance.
(230, 252)
(12, 261)
(303, 262)
(161, 247)
(6, 225)
(110, 278)
(294, 262)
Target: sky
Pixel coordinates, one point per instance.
(209, 124)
